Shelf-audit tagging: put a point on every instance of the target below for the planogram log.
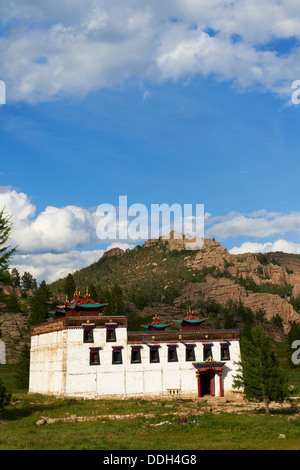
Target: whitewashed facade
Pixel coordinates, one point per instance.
(95, 357)
(2, 352)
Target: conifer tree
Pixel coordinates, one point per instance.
(22, 368)
(69, 286)
(5, 251)
(13, 305)
(28, 281)
(260, 374)
(4, 396)
(15, 278)
(39, 306)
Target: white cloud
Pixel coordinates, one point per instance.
(50, 266)
(268, 247)
(78, 47)
(54, 229)
(263, 225)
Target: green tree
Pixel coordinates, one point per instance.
(39, 307)
(260, 375)
(13, 305)
(114, 300)
(22, 368)
(28, 281)
(15, 278)
(45, 290)
(69, 286)
(93, 292)
(4, 396)
(6, 251)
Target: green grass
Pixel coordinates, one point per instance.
(18, 429)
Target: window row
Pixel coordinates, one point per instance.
(88, 335)
(154, 354)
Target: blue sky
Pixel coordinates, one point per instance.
(185, 102)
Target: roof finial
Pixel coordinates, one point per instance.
(87, 292)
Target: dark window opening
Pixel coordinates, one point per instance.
(135, 356)
(110, 334)
(117, 357)
(172, 355)
(88, 336)
(190, 354)
(207, 353)
(154, 355)
(225, 356)
(94, 358)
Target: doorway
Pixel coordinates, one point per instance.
(207, 383)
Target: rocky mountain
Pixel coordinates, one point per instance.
(165, 277)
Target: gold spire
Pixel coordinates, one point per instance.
(87, 292)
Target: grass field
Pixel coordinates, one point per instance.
(152, 424)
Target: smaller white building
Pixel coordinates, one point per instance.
(2, 352)
(82, 353)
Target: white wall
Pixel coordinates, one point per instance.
(60, 365)
(2, 352)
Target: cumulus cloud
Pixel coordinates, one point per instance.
(51, 266)
(268, 247)
(51, 48)
(262, 225)
(54, 229)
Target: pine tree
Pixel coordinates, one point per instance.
(28, 281)
(4, 396)
(6, 252)
(69, 286)
(22, 368)
(93, 292)
(260, 374)
(39, 307)
(13, 305)
(15, 278)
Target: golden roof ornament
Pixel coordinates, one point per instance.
(210, 359)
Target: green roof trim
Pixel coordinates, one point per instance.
(90, 305)
(191, 321)
(156, 326)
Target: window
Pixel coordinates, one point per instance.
(172, 354)
(88, 336)
(110, 334)
(117, 356)
(190, 352)
(154, 354)
(136, 355)
(207, 352)
(225, 356)
(94, 356)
